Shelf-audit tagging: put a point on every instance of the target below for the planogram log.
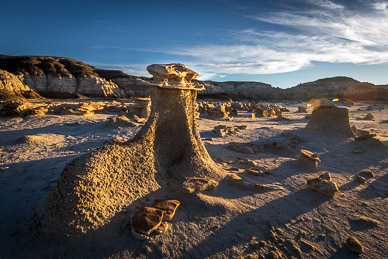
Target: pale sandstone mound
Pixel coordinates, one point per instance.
(94, 187)
(329, 119)
(12, 89)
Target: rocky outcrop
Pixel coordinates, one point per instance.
(11, 88)
(59, 77)
(64, 77)
(235, 89)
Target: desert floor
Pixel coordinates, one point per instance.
(230, 221)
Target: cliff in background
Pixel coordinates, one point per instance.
(64, 77)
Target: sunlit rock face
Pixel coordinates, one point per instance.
(12, 88)
(54, 77)
(173, 76)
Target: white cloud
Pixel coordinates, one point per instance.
(327, 32)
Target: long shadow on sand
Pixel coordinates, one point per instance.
(255, 223)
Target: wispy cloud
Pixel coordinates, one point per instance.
(327, 33)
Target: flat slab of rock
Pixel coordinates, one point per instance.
(323, 185)
(146, 220)
(198, 184)
(168, 206)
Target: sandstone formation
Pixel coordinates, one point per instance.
(323, 185)
(329, 119)
(59, 77)
(12, 89)
(94, 187)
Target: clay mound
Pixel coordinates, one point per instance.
(333, 121)
(94, 187)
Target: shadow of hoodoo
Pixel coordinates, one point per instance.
(93, 188)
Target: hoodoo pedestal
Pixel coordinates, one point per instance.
(94, 187)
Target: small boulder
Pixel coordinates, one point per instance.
(367, 173)
(354, 245)
(308, 159)
(146, 220)
(168, 206)
(323, 185)
(359, 179)
(369, 116)
(302, 109)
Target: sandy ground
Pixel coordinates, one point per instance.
(230, 221)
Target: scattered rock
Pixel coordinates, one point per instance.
(362, 134)
(367, 173)
(302, 109)
(359, 179)
(198, 184)
(308, 159)
(168, 206)
(247, 148)
(354, 245)
(369, 116)
(322, 185)
(146, 220)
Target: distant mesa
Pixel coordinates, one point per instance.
(58, 77)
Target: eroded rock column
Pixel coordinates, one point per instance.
(168, 149)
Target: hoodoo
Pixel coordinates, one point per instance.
(327, 118)
(93, 188)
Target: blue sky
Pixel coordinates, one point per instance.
(282, 43)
